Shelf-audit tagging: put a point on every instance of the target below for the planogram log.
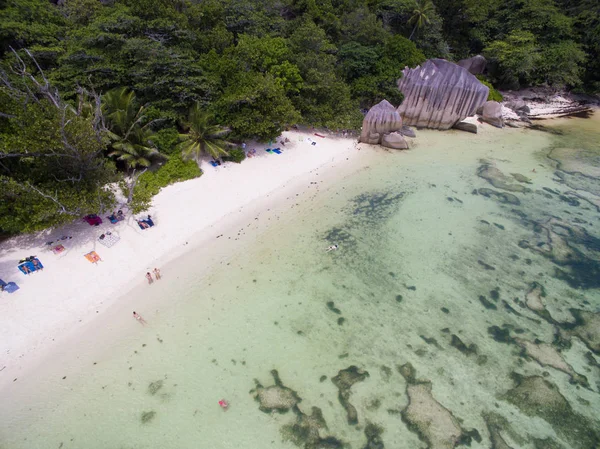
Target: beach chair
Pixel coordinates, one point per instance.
(8, 287)
(93, 257)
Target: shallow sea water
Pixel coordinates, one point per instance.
(462, 307)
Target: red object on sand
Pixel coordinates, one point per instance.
(319, 135)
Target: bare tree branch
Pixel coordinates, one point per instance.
(63, 209)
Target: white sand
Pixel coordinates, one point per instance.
(71, 292)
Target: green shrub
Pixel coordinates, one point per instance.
(166, 140)
(494, 95)
(236, 155)
(150, 183)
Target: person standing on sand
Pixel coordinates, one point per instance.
(139, 318)
(149, 277)
(157, 273)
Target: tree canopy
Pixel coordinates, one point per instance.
(251, 66)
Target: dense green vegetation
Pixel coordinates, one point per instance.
(116, 90)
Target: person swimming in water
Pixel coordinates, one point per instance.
(224, 404)
(138, 317)
(332, 248)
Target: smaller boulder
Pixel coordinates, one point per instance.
(492, 113)
(371, 138)
(475, 65)
(407, 131)
(468, 127)
(395, 141)
(381, 119)
(519, 106)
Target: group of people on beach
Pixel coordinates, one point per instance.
(156, 272)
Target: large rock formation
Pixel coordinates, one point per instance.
(380, 126)
(439, 94)
(475, 65)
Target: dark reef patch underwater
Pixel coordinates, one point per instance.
(515, 328)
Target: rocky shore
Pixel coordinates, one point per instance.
(521, 107)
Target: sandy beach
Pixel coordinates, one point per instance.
(71, 293)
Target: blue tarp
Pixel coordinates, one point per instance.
(10, 287)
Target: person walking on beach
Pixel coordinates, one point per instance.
(138, 317)
(149, 277)
(157, 273)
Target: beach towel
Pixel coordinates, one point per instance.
(93, 257)
(30, 266)
(8, 287)
(148, 221)
(277, 150)
(115, 218)
(58, 249)
(108, 239)
(93, 219)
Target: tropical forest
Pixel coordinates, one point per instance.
(98, 95)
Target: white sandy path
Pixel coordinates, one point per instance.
(71, 291)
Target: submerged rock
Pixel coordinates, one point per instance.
(382, 119)
(495, 177)
(439, 94)
(496, 424)
(373, 433)
(536, 396)
(344, 381)
(147, 416)
(305, 430)
(586, 328)
(505, 198)
(434, 423)
(275, 398)
(547, 355)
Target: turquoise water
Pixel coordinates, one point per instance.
(461, 307)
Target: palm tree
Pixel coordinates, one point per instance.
(130, 137)
(137, 151)
(119, 107)
(204, 136)
(423, 10)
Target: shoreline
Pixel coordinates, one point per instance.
(51, 309)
